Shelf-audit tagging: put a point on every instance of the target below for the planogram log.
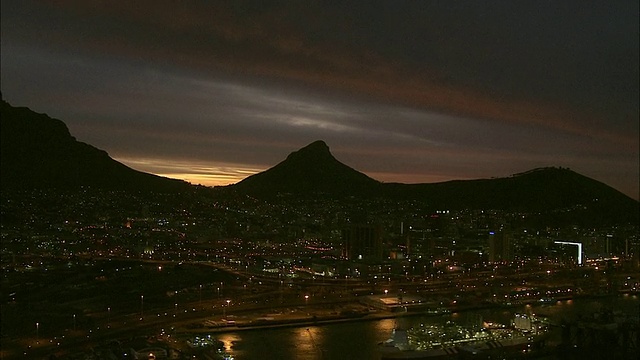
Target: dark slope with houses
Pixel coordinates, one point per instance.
(39, 152)
(534, 190)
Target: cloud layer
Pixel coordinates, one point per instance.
(409, 92)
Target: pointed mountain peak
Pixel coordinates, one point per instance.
(310, 170)
(316, 149)
(317, 145)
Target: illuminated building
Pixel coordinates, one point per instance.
(362, 242)
(579, 249)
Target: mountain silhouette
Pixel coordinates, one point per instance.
(548, 189)
(39, 152)
(311, 170)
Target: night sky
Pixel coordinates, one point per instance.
(418, 91)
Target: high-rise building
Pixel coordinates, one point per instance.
(362, 242)
(500, 248)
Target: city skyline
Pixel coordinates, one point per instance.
(413, 93)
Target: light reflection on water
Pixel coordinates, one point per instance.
(309, 342)
(229, 339)
(385, 326)
(358, 340)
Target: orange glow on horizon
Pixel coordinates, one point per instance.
(201, 179)
(222, 174)
(194, 172)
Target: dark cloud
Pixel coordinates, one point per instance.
(404, 90)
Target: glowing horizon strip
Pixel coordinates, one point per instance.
(573, 243)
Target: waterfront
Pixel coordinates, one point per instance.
(359, 340)
(306, 319)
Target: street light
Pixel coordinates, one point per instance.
(37, 333)
(141, 306)
(74, 322)
(224, 310)
(109, 317)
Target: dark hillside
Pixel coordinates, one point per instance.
(38, 151)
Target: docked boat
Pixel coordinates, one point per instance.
(453, 341)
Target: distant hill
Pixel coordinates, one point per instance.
(313, 171)
(39, 152)
(310, 171)
(537, 189)
(560, 193)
